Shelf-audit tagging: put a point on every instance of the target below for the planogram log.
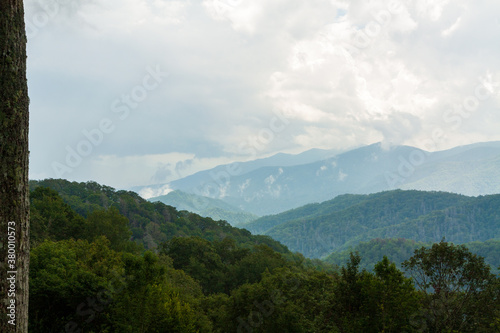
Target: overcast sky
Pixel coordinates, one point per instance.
(136, 92)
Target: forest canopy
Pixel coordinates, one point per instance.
(109, 261)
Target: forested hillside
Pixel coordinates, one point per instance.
(205, 206)
(91, 272)
(335, 225)
(399, 250)
(150, 223)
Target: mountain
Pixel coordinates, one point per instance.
(150, 224)
(236, 168)
(205, 206)
(320, 229)
(284, 182)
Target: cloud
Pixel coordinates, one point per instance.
(149, 192)
(339, 73)
(452, 28)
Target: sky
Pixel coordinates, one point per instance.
(140, 92)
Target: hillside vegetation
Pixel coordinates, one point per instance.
(399, 250)
(335, 225)
(150, 223)
(108, 261)
(205, 206)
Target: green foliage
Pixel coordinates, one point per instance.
(64, 276)
(457, 287)
(51, 218)
(205, 206)
(341, 202)
(399, 250)
(206, 276)
(289, 300)
(382, 302)
(336, 225)
(198, 258)
(151, 223)
(221, 266)
(153, 302)
(111, 224)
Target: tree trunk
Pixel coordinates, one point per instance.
(14, 202)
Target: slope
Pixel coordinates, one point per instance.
(205, 206)
(277, 185)
(421, 216)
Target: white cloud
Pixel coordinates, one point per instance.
(447, 32)
(243, 15)
(321, 169)
(344, 73)
(149, 192)
(342, 176)
(431, 9)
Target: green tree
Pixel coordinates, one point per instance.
(457, 285)
(51, 218)
(393, 299)
(71, 283)
(251, 267)
(198, 258)
(14, 203)
(111, 224)
(157, 299)
(287, 300)
(365, 302)
(349, 296)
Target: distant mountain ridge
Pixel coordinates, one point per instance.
(283, 182)
(335, 225)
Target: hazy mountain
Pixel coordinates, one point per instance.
(214, 176)
(204, 206)
(283, 182)
(335, 225)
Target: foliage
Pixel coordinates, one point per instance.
(152, 302)
(51, 218)
(320, 229)
(206, 276)
(366, 302)
(151, 223)
(400, 249)
(457, 287)
(67, 276)
(205, 206)
(111, 224)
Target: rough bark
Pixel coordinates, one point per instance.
(14, 203)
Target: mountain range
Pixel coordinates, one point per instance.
(284, 181)
(316, 230)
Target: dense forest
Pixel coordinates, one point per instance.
(399, 249)
(109, 261)
(317, 230)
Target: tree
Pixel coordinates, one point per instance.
(157, 298)
(14, 205)
(395, 298)
(365, 302)
(109, 223)
(51, 218)
(197, 257)
(72, 284)
(458, 287)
